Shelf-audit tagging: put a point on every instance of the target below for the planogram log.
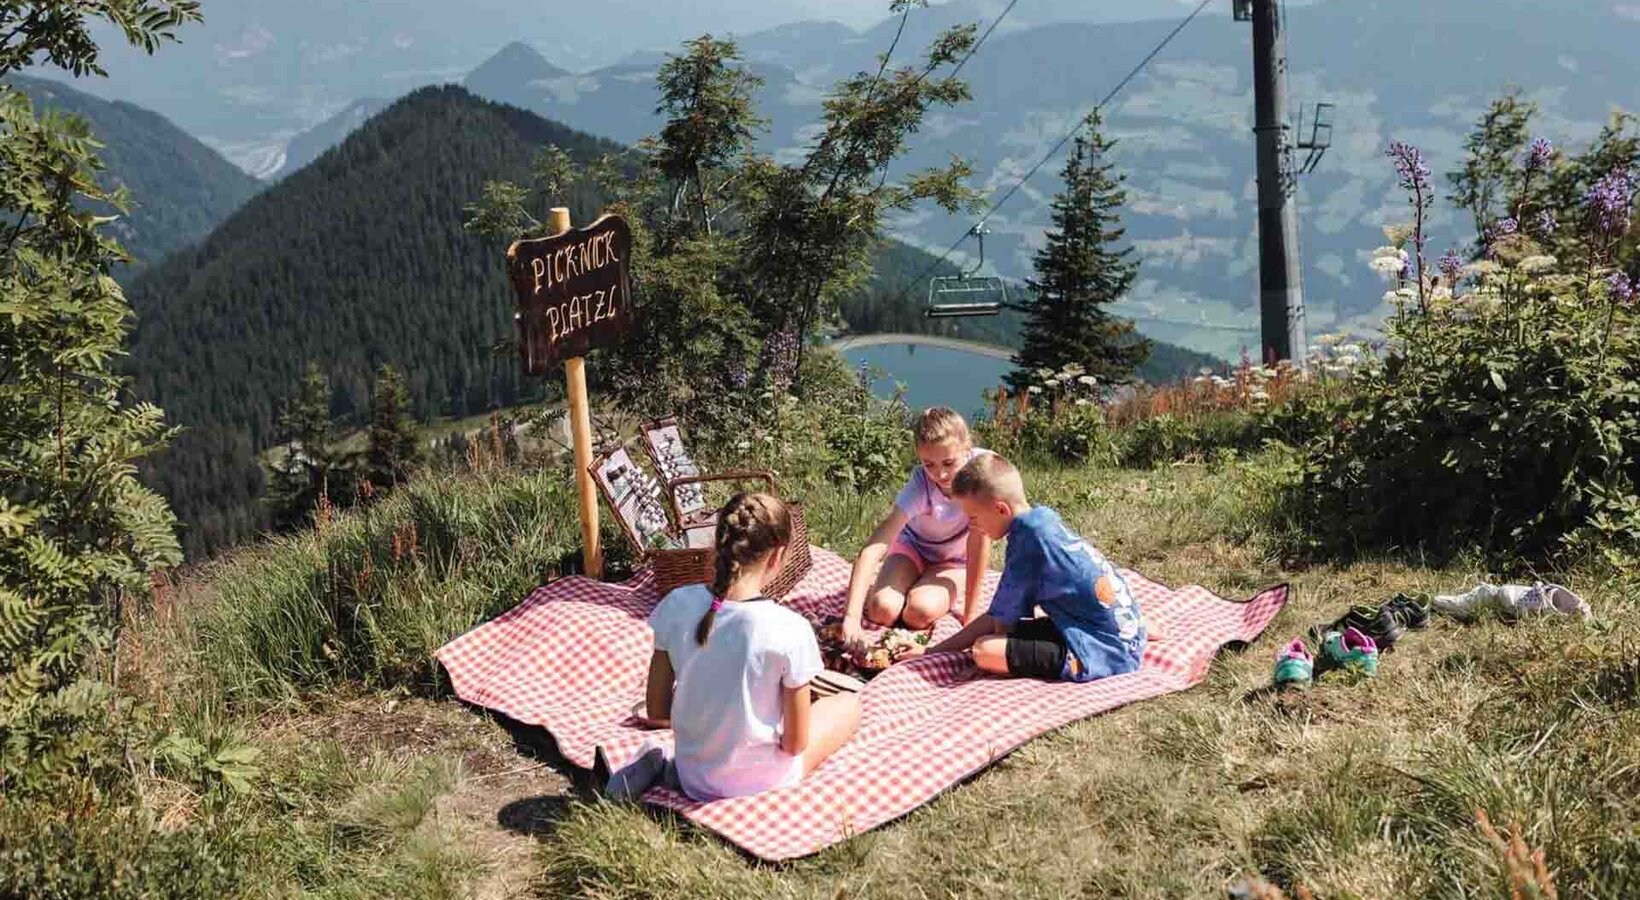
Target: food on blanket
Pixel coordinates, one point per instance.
(834, 653)
(881, 655)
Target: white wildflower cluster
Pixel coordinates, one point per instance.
(1390, 262)
(1250, 383)
(1338, 356)
(1071, 382)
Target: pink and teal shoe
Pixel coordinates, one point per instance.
(1295, 667)
(1351, 650)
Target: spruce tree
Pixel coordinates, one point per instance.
(1079, 273)
(311, 459)
(393, 449)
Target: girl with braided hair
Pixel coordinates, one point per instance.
(731, 668)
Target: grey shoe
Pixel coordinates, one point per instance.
(1552, 599)
(629, 782)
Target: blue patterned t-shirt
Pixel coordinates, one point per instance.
(1050, 566)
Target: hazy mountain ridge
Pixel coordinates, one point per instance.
(1394, 68)
(180, 188)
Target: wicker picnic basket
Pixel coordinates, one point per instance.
(693, 565)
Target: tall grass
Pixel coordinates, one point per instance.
(370, 594)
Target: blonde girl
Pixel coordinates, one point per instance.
(923, 558)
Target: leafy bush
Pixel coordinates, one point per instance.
(1506, 412)
(1055, 418)
(867, 451)
(46, 854)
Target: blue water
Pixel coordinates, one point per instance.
(933, 376)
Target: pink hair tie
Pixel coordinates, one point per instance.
(717, 603)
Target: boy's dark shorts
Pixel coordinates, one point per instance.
(1036, 649)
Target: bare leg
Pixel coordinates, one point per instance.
(887, 598)
(991, 654)
(933, 596)
(832, 721)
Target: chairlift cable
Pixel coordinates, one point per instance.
(993, 27)
(922, 76)
(1120, 85)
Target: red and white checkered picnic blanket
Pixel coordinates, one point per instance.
(573, 657)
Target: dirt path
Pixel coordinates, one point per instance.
(500, 802)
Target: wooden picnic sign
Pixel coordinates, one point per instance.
(574, 295)
(573, 291)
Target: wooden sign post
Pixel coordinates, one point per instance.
(574, 295)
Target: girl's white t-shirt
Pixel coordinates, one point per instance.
(728, 701)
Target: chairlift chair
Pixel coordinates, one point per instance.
(1320, 137)
(967, 294)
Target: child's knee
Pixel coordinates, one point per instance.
(851, 712)
(991, 654)
(925, 606)
(884, 605)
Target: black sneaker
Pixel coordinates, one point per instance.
(1410, 610)
(1376, 622)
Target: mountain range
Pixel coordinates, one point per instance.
(1394, 69)
(357, 259)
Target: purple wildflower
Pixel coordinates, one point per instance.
(779, 361)
(1410, 166)
(1619, 287)
(735, 373)
(1451, 264)
(1546, 223)
(1608, 202)
(1537, 158)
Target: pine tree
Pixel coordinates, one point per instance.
(311, 459)
(393, 450)
(1079, 273)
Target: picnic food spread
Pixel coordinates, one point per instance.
(878, 656)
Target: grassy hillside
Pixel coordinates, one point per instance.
(180, 188)
(1355, 789)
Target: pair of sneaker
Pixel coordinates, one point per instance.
(1353, 641)
(1513, 601)
(1350, 650)
(1385, 623)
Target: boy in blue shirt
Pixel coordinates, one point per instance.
(1093, 627)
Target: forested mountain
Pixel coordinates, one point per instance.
(180, 188)
(1182, 127)
(356, 260)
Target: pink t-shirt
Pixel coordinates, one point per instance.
(936, 526)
